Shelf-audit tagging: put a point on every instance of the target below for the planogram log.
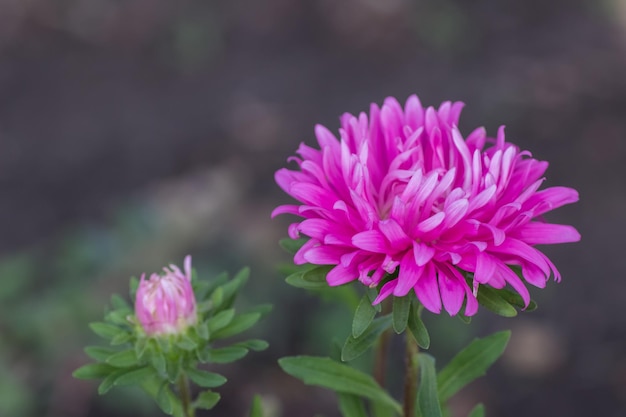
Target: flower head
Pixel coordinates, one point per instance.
(165, 304)
(403, 194)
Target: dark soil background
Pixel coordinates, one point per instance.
(132, 133)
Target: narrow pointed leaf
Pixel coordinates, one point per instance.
(205, 379)
(490, 298)
(401, 309)
(471, 363)
(351, 405)
(123, 359)
(105, 330)
(135, 376)
(220, 320)
(93, 371)
(478, 411)
(256, 345)
(338, 377)
(417, 328)
(363, 316)
(355, 347)
(311, 278)
(427, 396)
(226, 354)
(239, 324)
(256, 409)
(206, 400)
(100, 353)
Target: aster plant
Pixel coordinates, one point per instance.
(425, 219)
(169, 339)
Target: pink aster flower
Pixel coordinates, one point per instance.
(165, 304)
(402, 192)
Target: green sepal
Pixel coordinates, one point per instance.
(363, 316)
(93, 371)
(471, 363)
(292, 246)
(123, 359)
(108, 382)
(416, 326)
(310, 277)
(491, 299)
(206, 400)
(205, 379)
(356, 346)
(134, 284)
(338, 377)
(400, 313)
(427, 396)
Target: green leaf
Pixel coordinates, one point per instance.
(226, 354)
(401, 309)
(119, 303)
(202, 329)
(516, 300)
(109, 381)
(351, 405)
(363, 316)
(217, 297)
(310, 278)
(220, 320)
(239, 324)
(105, 330)
(355, 347)
(427, 398)
(206, 400)
(121, 338)
(338, 377)
(159, 390)
(93, 371)
(134, 284)
(471, 363)
(256, 345)
(491, 299)
(256, 410)
(417, 327)
(292, 245)
(205, 379)
(478, 411)
(135, 376)
(99, 353)
(123, 359)
(262, 309)
(186, 343)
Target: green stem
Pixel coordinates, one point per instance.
(410, 378)
(380, 353)
(185, 395)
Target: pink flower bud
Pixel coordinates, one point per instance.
(165, 304)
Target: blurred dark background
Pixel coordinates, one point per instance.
(134, 132)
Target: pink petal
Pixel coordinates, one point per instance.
(371, 240)
(427, 290)
(340, 275)
(408, 275)
(452, 292)
(422, 253)
(385, 291)
(535, 233)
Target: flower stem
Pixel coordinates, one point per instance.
(410, 378)
(185, 395)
